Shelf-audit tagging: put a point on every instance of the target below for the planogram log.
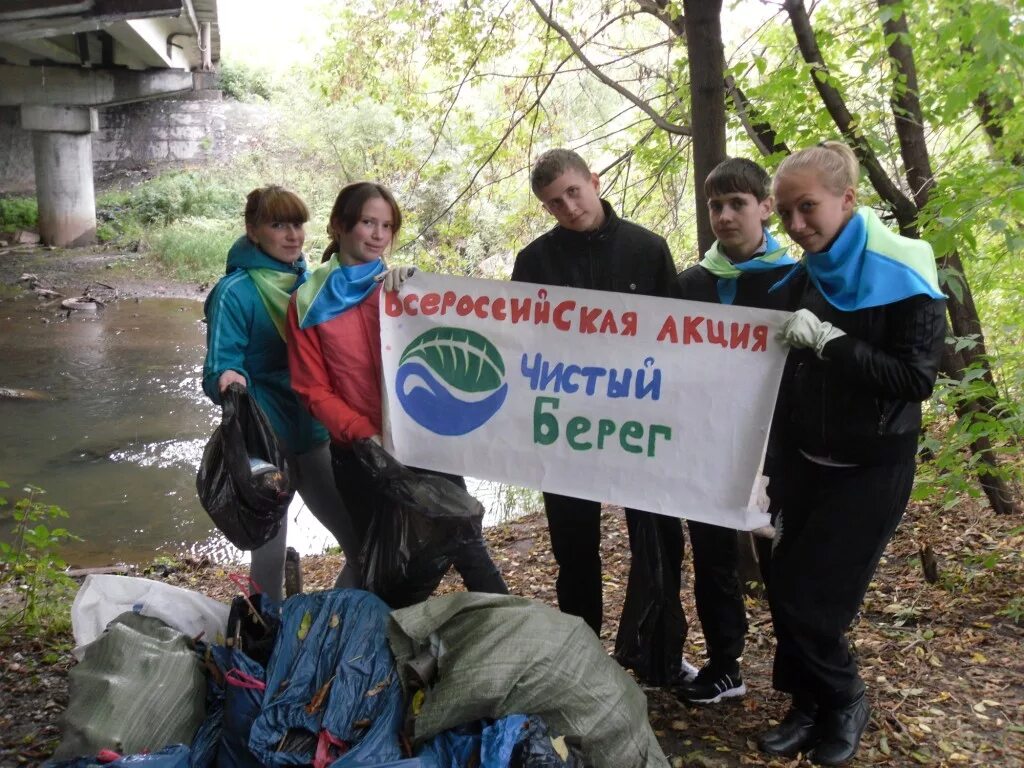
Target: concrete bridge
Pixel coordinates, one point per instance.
(61, 60)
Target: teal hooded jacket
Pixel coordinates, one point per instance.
(240, 336)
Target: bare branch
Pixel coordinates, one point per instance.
(628, 154)
(906, 107)
(903, 206)
(458, 90)
(494, 150)
(758, 129)
(659, 120)
(659, 10)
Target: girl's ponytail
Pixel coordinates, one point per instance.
(834, 161)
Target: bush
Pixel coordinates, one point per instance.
(18, 213)
(172, 197)
(30, 564)
(194, 249)
(244, 82)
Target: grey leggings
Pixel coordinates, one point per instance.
(315, 484)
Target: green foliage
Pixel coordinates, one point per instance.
(1014, 610)
(187, 219)
(30, 564)
(193, 249)
(18, 213)
(174, 196)
(244, 82)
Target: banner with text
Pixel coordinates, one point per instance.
(656, 404)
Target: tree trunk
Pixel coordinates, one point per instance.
(706, 54)
(963, 313)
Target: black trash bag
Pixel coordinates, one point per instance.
(421, 521)
(244, 481)
(652, 627)
(427, 494)
(535, 748)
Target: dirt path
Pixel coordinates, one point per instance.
(943, 662)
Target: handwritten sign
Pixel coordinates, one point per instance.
(656, 404)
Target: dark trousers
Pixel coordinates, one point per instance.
(575, 528)
(718, 592)
(470, 559)
(834, 525)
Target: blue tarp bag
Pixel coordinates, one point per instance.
(333, 695)
(487, 744)
(174, 756)
(244, 683)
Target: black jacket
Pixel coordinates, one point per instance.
(862, 404)
(620, 256)
(752, 288)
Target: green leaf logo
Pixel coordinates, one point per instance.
(462, 358)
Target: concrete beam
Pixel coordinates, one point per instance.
(37, 18)
(22, 9)
(72, 86)
(60, 119)
(64, 188)
(35, 28)
(147, 39)
(47, 49)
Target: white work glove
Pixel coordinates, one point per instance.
(394, 277)
(804, 330)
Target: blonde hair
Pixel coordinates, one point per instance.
(834, 162)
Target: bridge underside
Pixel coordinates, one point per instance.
(60, 60)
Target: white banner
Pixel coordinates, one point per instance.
(656, 404)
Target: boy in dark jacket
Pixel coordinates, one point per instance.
(740, 268)
(591, 247)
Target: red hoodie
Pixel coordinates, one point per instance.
(336, 369)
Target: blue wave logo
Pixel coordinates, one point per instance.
(451, 380)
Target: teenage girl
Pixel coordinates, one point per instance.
(866, 340)
(335, 355)
(245, 345)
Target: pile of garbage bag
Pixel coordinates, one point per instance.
(335, 678)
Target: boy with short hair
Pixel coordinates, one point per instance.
(591, 247)
(740, 269)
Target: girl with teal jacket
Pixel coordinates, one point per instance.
(245, 315)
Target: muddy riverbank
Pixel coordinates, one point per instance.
(107, 273)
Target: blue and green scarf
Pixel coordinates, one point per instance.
(333, 288)
(728, 273)
(869, 265)
(275, 289)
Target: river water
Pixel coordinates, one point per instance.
(118, 442)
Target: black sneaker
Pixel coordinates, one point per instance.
(711, 686)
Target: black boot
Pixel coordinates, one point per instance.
(840, 731)
(795, 734)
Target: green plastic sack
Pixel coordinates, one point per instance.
(481, 655)
(139, 687)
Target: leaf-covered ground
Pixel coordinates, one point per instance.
(944, 662)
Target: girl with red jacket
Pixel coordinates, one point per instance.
(334, 354)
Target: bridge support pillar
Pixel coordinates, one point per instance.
(62, 151)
